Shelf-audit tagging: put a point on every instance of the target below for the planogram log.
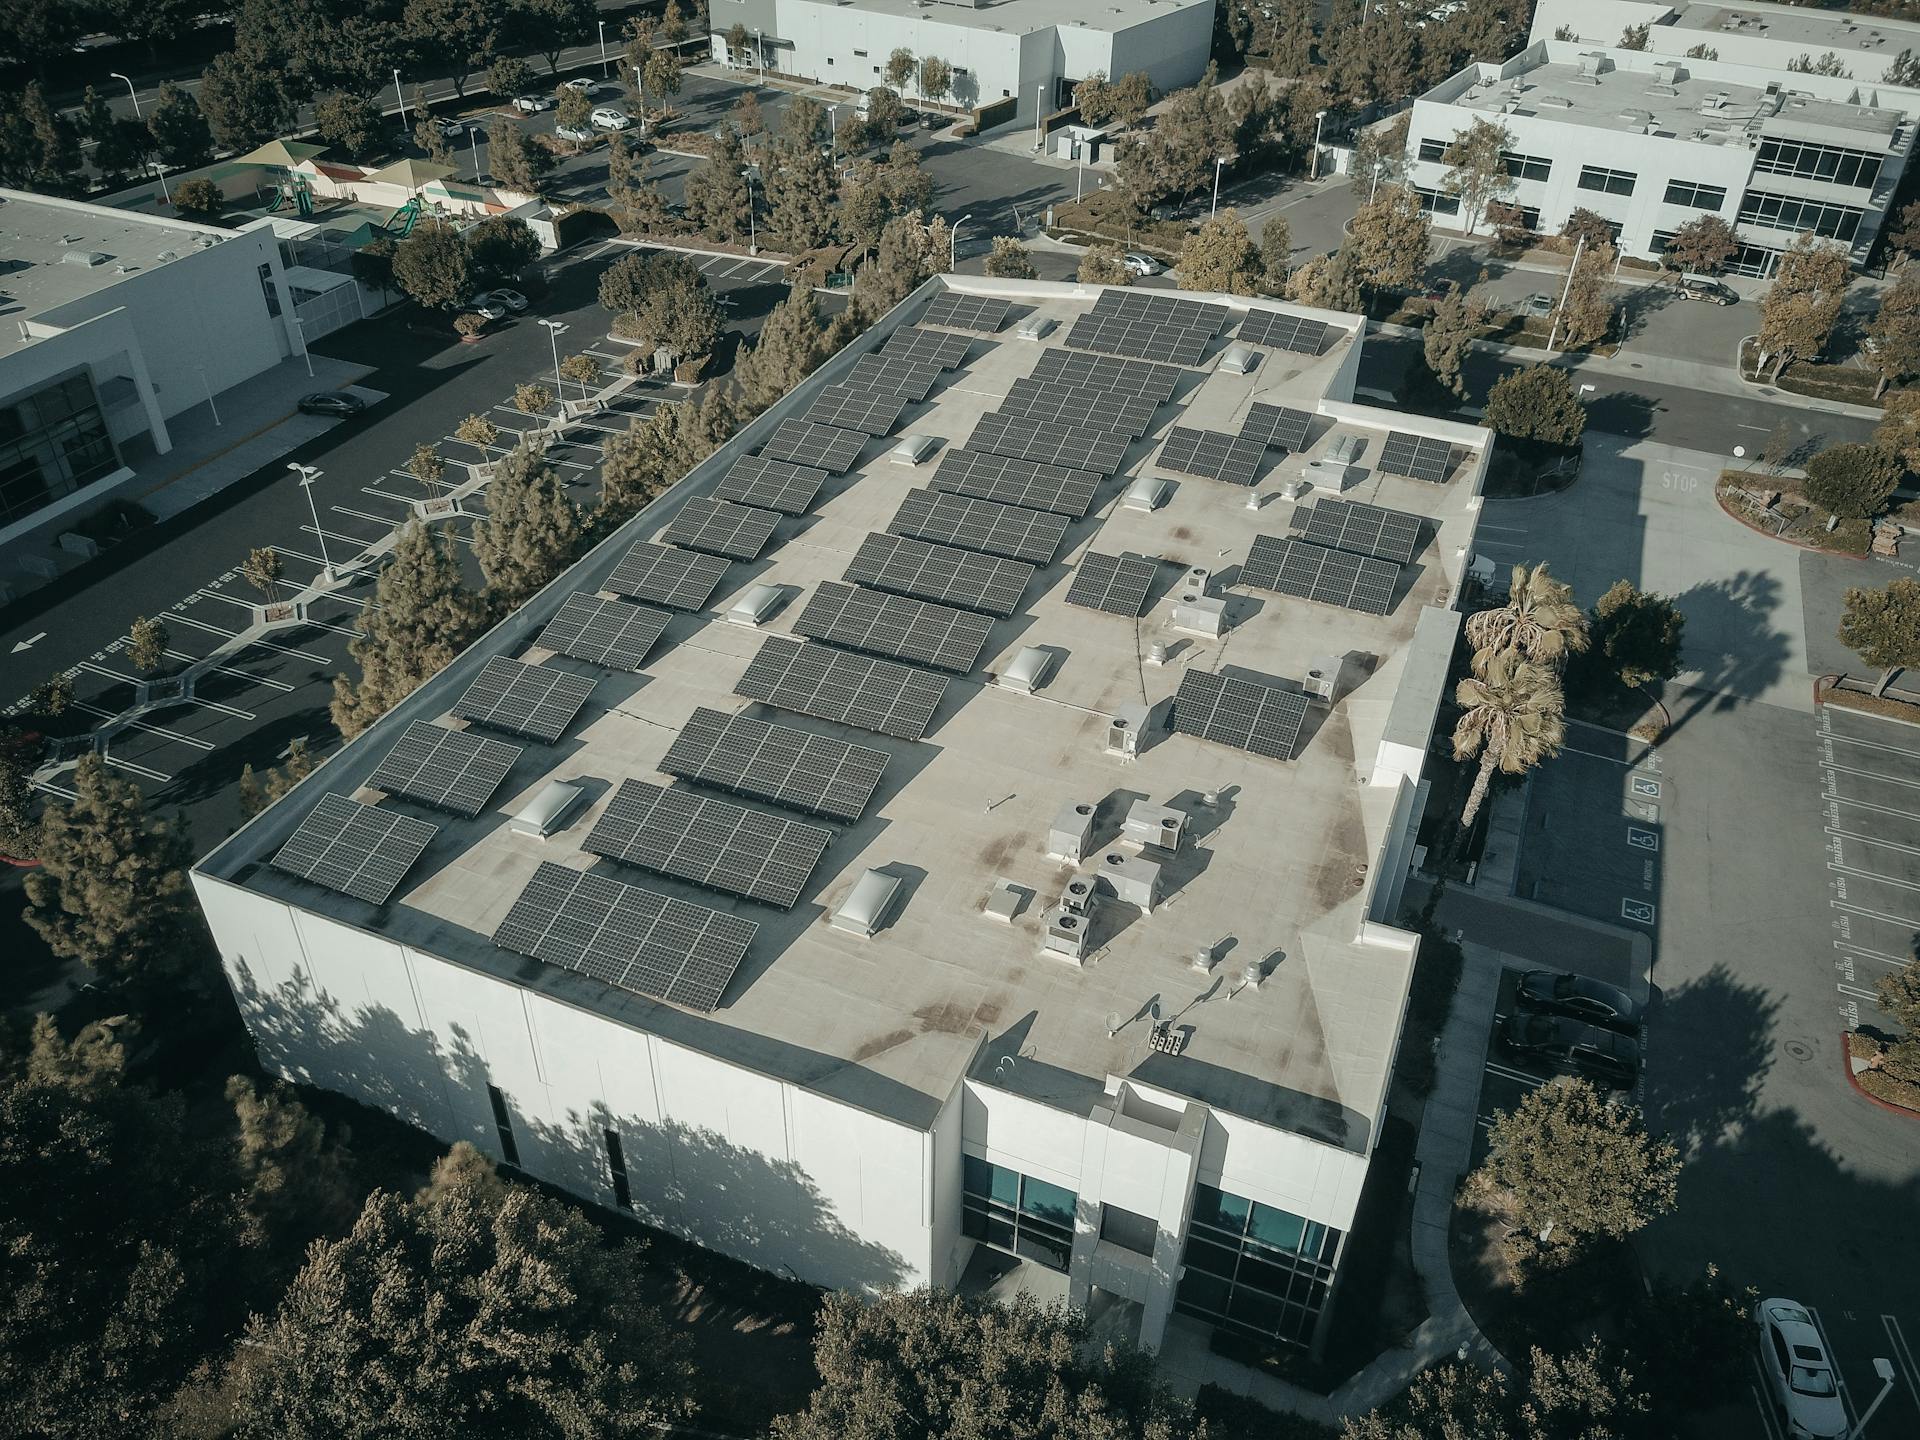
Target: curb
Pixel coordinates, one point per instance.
(1846, 1057)
(1783, 396)
(1781, 539)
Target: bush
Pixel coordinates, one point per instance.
(199, 200)
(1538, 403)
(532, 399)
(469, 324)
(1852, 481)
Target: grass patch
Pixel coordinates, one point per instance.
(1229, 1414)
(1790, 516)
(1849, 384)
(1877, 1083)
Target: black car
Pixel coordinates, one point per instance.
(1551, 993)
(1603, 1056)
(331, 402)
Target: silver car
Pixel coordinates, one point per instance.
(512, 299)
(1800, 1374)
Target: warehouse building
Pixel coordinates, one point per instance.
(979, 867)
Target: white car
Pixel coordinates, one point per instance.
(611, 117)
(582, 84)
(1799, 1372)
(487, 308)
(532, 104)
(512, 299)
(1142, 264)
(578, 134)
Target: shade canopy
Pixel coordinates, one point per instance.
(284, 153)
(410, 174)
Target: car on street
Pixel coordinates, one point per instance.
(1141, 264)
(532, 104)
(487, 308)
(1800, 1375)
(1548, 992)
(1572, 1048)
(512, 299)
(578, 134)
(611, 117)
(1710, 292)
(331, 402)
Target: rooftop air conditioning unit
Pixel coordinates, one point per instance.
(1132, 878)
(1323, 679)
(1071, 834)
(1080, 896)
(1124, 730)
(1150, 824)
(1067, 934)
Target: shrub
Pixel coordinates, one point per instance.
(1852, 481)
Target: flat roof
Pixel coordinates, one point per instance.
(1017, 17)
(1817, 29)
(1274, 871)
(44, 244)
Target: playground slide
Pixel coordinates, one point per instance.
(400, 223)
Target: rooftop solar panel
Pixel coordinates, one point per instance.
(1118, 584)
(1362, 529)
(604, 632)
(825, 447)
(358, 850)
(778, 763)
(1276, 426)
(626, 936)
(895, 626)
(525, 699)
(1107, 372)
(771, 484)
(910, 379)
(1278, 330)
(1160, 308)
(852, 407)
(1313, 572)
(720, 527)
(666, 576)
(984, 525)
(877, 695)
(1011, 481)
(1232, 458)
(1418, 457)
(940, 572)
(447, 769)
(936, 346)
(1049, 443)
(1111, 410)
(710, 842)
(1248, 716)
(982, 314)
(1140, 339)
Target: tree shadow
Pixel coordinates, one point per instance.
(1732, 641)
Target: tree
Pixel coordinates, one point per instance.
(480, 1308)
(1570, 1165)
(111, 890)
(899, 68)
(263, 571)
(1513, 717)
(38, 33)
(634, 192)
(800, 192)
(1380, 153)
(1798, 314)
(739, 41)
(420, 620)
(1220, 256)
(884, 113)
(1448, 337)
(244, 104)
(352, 123)
(477, 430)
(530, 531)
(1104, 265)
(500, 247)
(426, 134)
(532, 399)
(660, 300)
(1634, 37)
(1391, 236)
(1327, 282)
(1637, 634)
(1537, 403)
(426, 466)
(1898, 432)
(1194, 130)
(1882, 627)
(52, 697)
(936, 78)
(803, 122)
(660, 76)
(1586, 229)
(1893, 334)
(509, 76)
(1477, 168)
(717, 200)
(582, 369)
(637, 466)
(19, 831)
(372, 263)
(1702, 246)
(1132, 97)
(1903, 234)
(147, 642)
(433, 266)
(1539, 622)
(120, 147)
(911, 251)
(1852, 481)
(1584, 313)
(1276, 252)
(455, 37)
(1008, 260)
(514, 161)
(1587, 1395)
(673, 24)
(1828, 64)
(1093, 97)
(291, 1175)
(931, 1362)
(787, 351)
(179, 130)
(42, 148)
(550, 26)
(571, 108)
(199, 199)
(256, 796)
(1898, 992)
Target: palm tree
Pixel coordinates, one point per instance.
(1515, 718)
(1540, 620)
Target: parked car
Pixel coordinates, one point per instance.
(487, 307)
(582, 84)
(1712, 292)
(611, 117)
(1799, 1373)
(1142, 264)
(331, 402)
(512, 299)
(449, 129)
(532, 104)
(578, 134)
(1537, 307)
(1548, 992)
(1572, 1048)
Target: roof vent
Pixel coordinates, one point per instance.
(85, 257)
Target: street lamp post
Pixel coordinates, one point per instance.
(953, 241)
(1882, 1367)
(1565, 291)
(760, 53)
(833, 134)
(1218, 162)
(308, 474)
(159, 170)
(1039, 117)
(132, 94)
(753, 227)
(1374, 189)
(400, 95)
(473, 145)
(1319, 119)
(1080, 175)
(555, 329)
(305, 354)
(605, 71)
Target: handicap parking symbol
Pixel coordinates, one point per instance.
(1642, 839)
(1642, 785)
(1638, 910)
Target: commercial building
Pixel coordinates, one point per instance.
(1707, 118)
(888, 872)
(1031, 52)
(115, 322)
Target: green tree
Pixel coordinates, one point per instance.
(1798, 314)
(899, 68)
(1008, 260)
(433, 266)
(372, 263)
(548, 27)
(1327, 282)
(421, 618)
(1893, 334)
(111, 890)
(352, 123)
(1882, 627)
(199, 199)
(632, 188)
(1637, 636)
(256, 795)
(1391, 237)
(936, 78)
(787, 351)
(582, 369)
(1898, 994)
(52, 697)
(426, 466)
(1512, 717)
(120, 147)
(1380, 153)
(426, 134)
(1538, 621)
(716, 196)
(911, 251)
(637, 466)
(244, 104)
(179, 130)
(47, 144)
(1448, 336)
(803, 122)
(477, 430)
(479, 1308)
(1587, 1395)
(1132, 96)
(1477, 169)
(292, 1176)
(453, 37)
(1220, 256)
(748, 118)
(508, 76)
(500, 247)
(1570, 1165)
(931, 1362)
(1194, 130)
(19, 829)
(1898, 432)
(532, 398)
(1093, 97)
(1103, 265)
(514, 161)
(1276, 252)
(1537, 403)
(571, 108)
(264, 572)
(659, 299)
(800, 193)
(1702, 246)
(1586, 228)
(531, 529)
(1584, 313)
(1852, 481)
(147, 642)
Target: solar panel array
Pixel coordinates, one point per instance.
(1313, 572)
(626, 936)
(934, 346)
(1364, 529)
(852, 407)
(892, 625)
(720, 527)
(1416, 456)
(982, 314)
(709, 842)
(666, 576)
(771, 484)
(940, 572)
(876, 695)
(1026, 483)
(1160, 308)
(1105, 372)
(358, 850)
(1276, 426)
(1248, 716)
(1049, 443)
(764, 761)
(1114, 410)
(910, 379)
(984, 525)
(525, 699)
(610, 633)
(825, 447)
(1277, 330)
(1232, 458)
(447, 769)
(1114, 583)
(1139, 339)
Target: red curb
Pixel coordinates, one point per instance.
(1846, 1055)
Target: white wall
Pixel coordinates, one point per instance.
(1172, 48)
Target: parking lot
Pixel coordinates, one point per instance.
(1870, 813)
(1854, 1339)
(1593, 829)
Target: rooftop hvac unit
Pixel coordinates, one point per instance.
(1131, 878)
(1079, 896)
(1067, 934)
(1199, 615)
(1124, 729)
(1071, 834)
(1323, 679)
(1150, 824)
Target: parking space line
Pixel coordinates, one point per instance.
(1877, 809)
(231, 600)
(1495, 1068)
(1872, 875)
(1846, 1396)
(162, 731)
(1763, 1404)
(313, 560)
(1846, 739)
(1880, 956)
(1872, 840)
(109, 758)
(229, 670)
(295, 654)
(114, 675)
(224, 709)
(1902, 1354)
(1873, 914)
(1870, 774)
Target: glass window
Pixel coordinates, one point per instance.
(1694, 195)
(1526, 167)
(1219, 1209)
(1608, 182)
(1433, 150)
(981, 1177)
(503, 1123)
(1042, 1248)
(1204, 1255)
(53, 441)
(1048, 1202)
(1255, 1308)
(1790, 213)
(1276, 1228)
(1812, 161)
(1204, 1293)
(1435, 202)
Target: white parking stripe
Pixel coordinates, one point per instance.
(1846, 1397)
(251, 679)
(1902, 1353)
(114, 760)
(1871, 774)
(1494, 1068)
(232, 710)
(1846, 739)
(162, 731)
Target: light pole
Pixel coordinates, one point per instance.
(1218, 162)
(953, 241)
(473, 144)
(400, 95)
(1565, 290)
(555, 329)
(308, 474)
(159, 169)
(305, 354)
(833, 134)
(1319, 119)
(753, 227)
(760, 54)
(1039, 117)
(605, 71)
(1882, 1367)
(1374, 189)
(132, 94)
(1080, 175)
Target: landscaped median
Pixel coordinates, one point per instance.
(1866, 1056)
(1843, 384)
(1777, 506)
